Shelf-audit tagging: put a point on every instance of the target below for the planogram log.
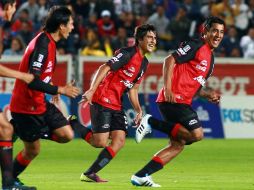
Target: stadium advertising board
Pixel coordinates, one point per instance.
(238, 116)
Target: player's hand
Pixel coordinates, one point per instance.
(169, 96)
(87, 96)
(214, 97)
(69, 90)
(138, 119)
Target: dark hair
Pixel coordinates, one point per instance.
(5, 2)
(57, 15)
(141, 31)
(212, 20)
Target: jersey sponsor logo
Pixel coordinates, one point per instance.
(132, 69)
(184, 50)
(37, 64)
(202, 66)
(40, 57)
(128, 73)
(116, 58)
(127, 83)
(201, 80)
(238, 115)
(47, 79)
(193, 121)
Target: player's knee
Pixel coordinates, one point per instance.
(118, 143)
(6, 131)
(31, 153)
(198, 135)
(99, 144)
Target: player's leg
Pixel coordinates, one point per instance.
(165, 155)
(24, 157)
(60, 130)
(6, 148)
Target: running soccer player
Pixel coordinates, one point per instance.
(185, 73)
(121, 74)
(6, 129)
(30, 110)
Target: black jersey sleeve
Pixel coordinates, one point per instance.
(119, 59)
(39, 55)
(187, 51)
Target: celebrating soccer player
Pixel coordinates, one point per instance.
(185, 73)
(121, 74)
(30, 110)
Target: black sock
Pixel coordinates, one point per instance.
(150, 168)
(6, 163)
(162, 126)
(80, 130)
(102, 160)
(19, 165)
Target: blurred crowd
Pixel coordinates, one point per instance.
(102, 26)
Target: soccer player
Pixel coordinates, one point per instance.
(121, 74)
(31, 112)
(6, 129)
(185, 73)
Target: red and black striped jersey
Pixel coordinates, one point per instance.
(127, 68)
(194, 64)
(39, 59)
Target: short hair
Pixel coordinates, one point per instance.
(5, 2)
(212, 20)
(57, 15)
(141, 31)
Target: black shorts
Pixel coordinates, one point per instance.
(180, 113)
(30, 127)
(105, 120)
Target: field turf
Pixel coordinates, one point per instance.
(206, 165)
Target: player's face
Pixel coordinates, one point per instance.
(66, 29)
(148, 43)
(215, 35)
(8, 11)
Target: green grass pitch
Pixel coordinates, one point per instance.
(206, 165)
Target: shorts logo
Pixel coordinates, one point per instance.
(105, 126)
(193, 121)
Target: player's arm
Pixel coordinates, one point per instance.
(116, 62)
(167, 73)
(210, 94)
(133, 97)
(99, 76)
(36, 62)
(7, 72)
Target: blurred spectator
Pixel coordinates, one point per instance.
(92, 44)
(25, 32)
(171, 8)
(17, 47)
(160, 21)
(206, 8)
(120, 40)
(122, 6)
(106, 26)
(23, 17)
(230, 44)
(225, 11)
(149, 7)
(32, 7)
(193, 10)
(101, 5)
(241, 16)
(128, 21)
(179, 27)
(42, 11)
(251, 12)
(247, 44)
